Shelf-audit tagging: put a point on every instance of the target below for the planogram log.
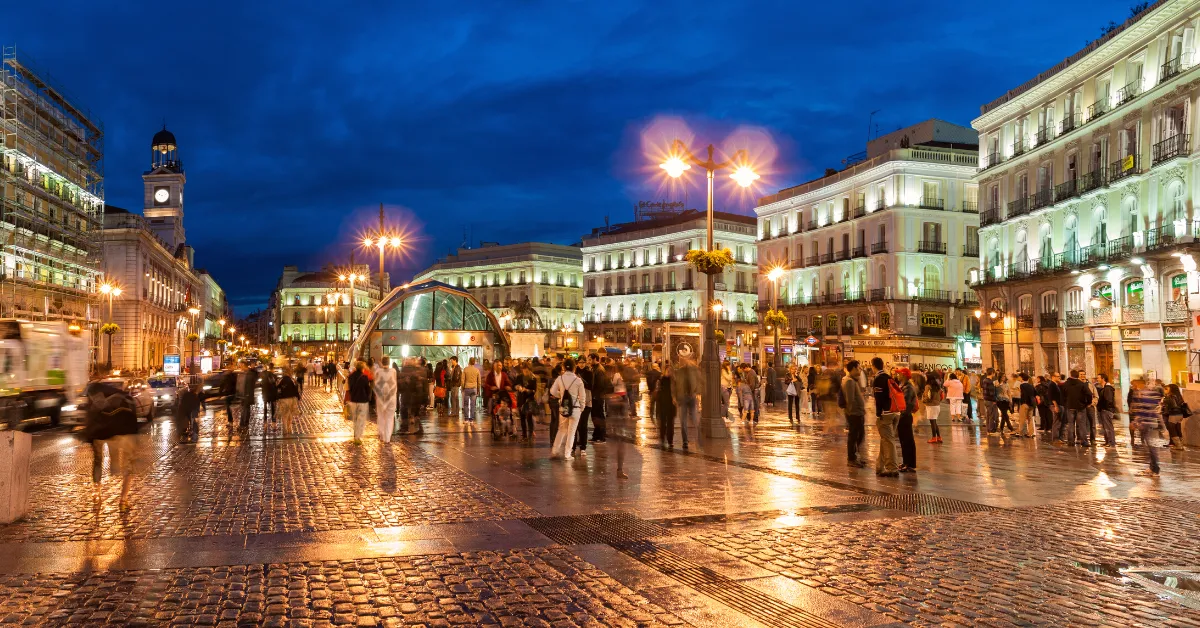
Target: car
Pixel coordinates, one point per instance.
(163, 389)
(210, 384)
(75, 411)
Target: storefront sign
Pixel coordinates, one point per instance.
(1102, 333)
(933, 319)
(972, 353)
(907, 344)
(1131, 333)
(1179, 287)
(1177, 346)
(812, 341)
(1175, 333)
(171, 364)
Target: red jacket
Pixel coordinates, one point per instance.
(490, 385)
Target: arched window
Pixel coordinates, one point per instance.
(815, 287)
(658, 313)
(1025, 305)
(1071, 234)
(1178, 207)
(931, 280)
(1133, 293)
(816, 324)
(993, 254)
(646, 309)
(690, 311)
(1021, 252)
(1100, 226)
(829, 285)
(1133, 222)
(1075, 300)
(845, 282)
(671, 311)
(881, 278)
(608, 312)
(1050, 302)
(740, 312)
(1046, 248)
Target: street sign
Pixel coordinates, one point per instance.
(811, 341)
(171, 364)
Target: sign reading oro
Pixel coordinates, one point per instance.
(933, 319)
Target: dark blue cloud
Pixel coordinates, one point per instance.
(510, 120)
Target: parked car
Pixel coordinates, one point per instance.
(76, 411)
(210, 384)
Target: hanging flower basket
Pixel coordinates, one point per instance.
(710, 262)
(719, 336)
(109, 329)
(193, 337)
(775, 318)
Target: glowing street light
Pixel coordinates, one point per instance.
(745, 176)
(675, 167)
(383, 239)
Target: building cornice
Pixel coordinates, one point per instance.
(869, 177)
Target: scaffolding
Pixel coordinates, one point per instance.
(51, 197)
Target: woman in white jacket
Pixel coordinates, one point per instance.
(385, 398)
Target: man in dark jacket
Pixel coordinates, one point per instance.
(112, 420)
(229, 383)
(187, 407)
(652, 375)
(1077, 397)
(248, 384)
(601, 389)
(1029, 401)
(269, 394)
(1106, 407)
(358, 393)
(886, 422)
(1057, 409)
(989, 413)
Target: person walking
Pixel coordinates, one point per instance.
(1029, 402)
(1077, 398)
(793, 390)
(653, 373)
(454, 376)
(287, 400)
(989, 412)
(229, 387)
(300, 374)
(1106, 406)
(112, 421)
(269, 395)
(472, 385)
(886, 421)
(685, 389)
(525, 385)
(969, 388)
(568, 389)
(856, 411)
(248, 383)
(955, 392)
(727, 383)
(664, 407)
(385, 398)
(1144, 404)
(187, 408)
(931, 398)
(748, 384)
(358, 395)
(1174, 411)
(904, 428)
(601, 388)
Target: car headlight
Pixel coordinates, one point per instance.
(70, 408)
(207, 387)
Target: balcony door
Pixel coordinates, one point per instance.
(931, 232)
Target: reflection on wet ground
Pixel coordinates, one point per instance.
(766, 528)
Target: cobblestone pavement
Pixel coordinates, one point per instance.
(535, 587)
(458, 528)
(1001, 568)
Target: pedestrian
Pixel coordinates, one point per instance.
(795, 387)
(556, 418)
(248, 383)
(931, 398)
(904, 428)
(969, 388)
(1057, 409)
(300, 373)
(772, 380)
(726, 388)
(1144, 404)
(1174, 411)
(1077, 398)
(1013, 393)
(454, 375)
(954, 392)
(886, 421)
(653, 373)
(748, 385)
(112, 421)
(427, 382)
(525, 385)
(187, 408)
(856, 410)
(812, 391)
(269, 395)
(685, 390)
(472, 382)
(385, 398)
(287, 400)
(1106, 407)
(496, 387)
(989, 410)
(601, 389)
(229, 385)
(570, 394)
(1029, 402)
(358, 395)
(664, 407)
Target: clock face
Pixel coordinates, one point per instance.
(161, 195)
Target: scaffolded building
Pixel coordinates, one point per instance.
(51, 199)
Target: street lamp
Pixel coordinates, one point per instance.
(193, 310)
(383, 239)
(774, 275)
(637, 330)
(681, 159)
(111, 291)
(221, 322)
(351, 278)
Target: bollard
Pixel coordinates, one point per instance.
(14, 474)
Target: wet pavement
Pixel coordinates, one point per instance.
(767, 528)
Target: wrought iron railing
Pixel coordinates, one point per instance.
(1178, 145)
(1102, 315)
(971, 250)
(1091, 181)
(879, 247)
(991, 159)
(1066, 189)
(859, 251)
(931, 246)
(1069, 121)
(1044, 134)
(1042, 198)
(1123, 167)
(1018, 147)
(812, 260)
(1097, 109)
(1075, 318)
(931, 202)
(1134, 313)
(970, 207)
(1019, 207)
(1171, 68)
(878, 294)
(1048, 319)
(938, 296)
(1131, 90)
(1025, 321)
(827, 258)
(989, 217)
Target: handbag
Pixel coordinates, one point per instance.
(791, 389)
(439, 392)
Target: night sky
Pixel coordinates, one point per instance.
(514, 120)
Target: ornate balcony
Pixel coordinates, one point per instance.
(931, 202)
(1171, 68)
(1102, 315)
(1133, 313)
(1092, 181)
(991, 159)
(879, 247)
(1075, 318)
(1019, 207)
(926, 246)
(1025, 321)
(1066, 189)
(1048, 319)
(971, 250)
(1131, 90)
(935, 296)
(859, 251)
(1097, 109)
(1178, 145)
(989, 217)
(1069, 122)
(970, 207)
(1042, 198)
(1124, 167)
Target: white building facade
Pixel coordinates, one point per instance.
(549, 276)
(1087, 182)
(877, 257)
(636, 272)
(312, 311)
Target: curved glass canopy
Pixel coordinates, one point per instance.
(430, 319)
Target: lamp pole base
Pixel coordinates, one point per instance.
(712, 423)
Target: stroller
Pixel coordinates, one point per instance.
(501, 410)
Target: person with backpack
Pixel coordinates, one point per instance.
(931, 398)
(287, 400)
(904, 429)
(855, 405)
(887, 418)
(568, 389)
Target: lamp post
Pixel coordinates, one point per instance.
(193, 310)
(383, 239)
(774, 275)
(680, 159)
(221, 322)
(637, 331)
(351, 278)
(111, 291)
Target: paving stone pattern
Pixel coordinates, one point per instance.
(536, 587)
(278, 487)
(1000, 568)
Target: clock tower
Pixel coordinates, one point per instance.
(163, 204)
